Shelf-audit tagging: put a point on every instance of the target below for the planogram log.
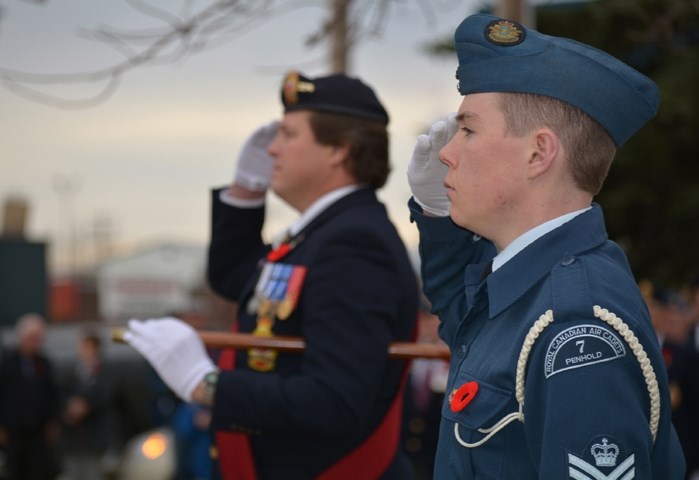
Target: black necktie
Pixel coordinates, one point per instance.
(487, 271)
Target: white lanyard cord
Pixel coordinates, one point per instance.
(643, 360)
(544, 321)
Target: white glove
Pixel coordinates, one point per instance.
(174, 349)
(254, 168)
(426, 172)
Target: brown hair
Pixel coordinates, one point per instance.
(589, 147)
(92, 338)
(367, 141)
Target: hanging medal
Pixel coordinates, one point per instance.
(272, 282)
(275, 297)
(278, 292)
(292, 293)
(258, 294)
(279, 289)
(260, 359)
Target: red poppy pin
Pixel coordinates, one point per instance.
(462, 396)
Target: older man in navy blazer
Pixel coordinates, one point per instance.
(339, 277)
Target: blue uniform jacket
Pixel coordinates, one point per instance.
(360, 293)
(586, 402)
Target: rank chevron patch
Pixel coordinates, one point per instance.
(602, 460)
(579, 469)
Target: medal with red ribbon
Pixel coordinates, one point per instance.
(283, 249)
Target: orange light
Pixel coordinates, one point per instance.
(154, 446)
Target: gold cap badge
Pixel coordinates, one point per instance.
(504, 32)
(293, 85)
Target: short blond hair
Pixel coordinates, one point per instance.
(590, 148)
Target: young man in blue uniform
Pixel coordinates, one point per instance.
(341, 279)
(555, 370)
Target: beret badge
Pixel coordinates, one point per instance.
(293, 84)
(504, 33)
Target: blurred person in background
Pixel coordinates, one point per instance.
(424, 399)
(675, 320)
(89, 422)
(693, 335)
(688, 383)
(339, 277)
(29, 405)
(670, 314)
(191, 422)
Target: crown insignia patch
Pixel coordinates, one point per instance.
(601, 460)
(605, 454)
(504, 33)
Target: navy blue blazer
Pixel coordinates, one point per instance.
(359, 294)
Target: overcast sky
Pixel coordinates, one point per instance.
(146, 158)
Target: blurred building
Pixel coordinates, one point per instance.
(152, 282)
(23, 270)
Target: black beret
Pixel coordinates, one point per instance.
(335, 94)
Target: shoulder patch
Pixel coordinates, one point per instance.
(602, 459)
(581, 346)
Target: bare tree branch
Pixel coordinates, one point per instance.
(154, 12)
(175, 36)
(177, 39)
(58, 102)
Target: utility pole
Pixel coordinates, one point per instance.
(517, 10)
(66, 187)
(340, 43)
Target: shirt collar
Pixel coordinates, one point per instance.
(505, 286)
(315, 209)
(528, 237)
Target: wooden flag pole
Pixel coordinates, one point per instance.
(399, 350)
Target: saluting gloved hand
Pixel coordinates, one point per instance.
(174, 349)
(426, 172)
(254, 168)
